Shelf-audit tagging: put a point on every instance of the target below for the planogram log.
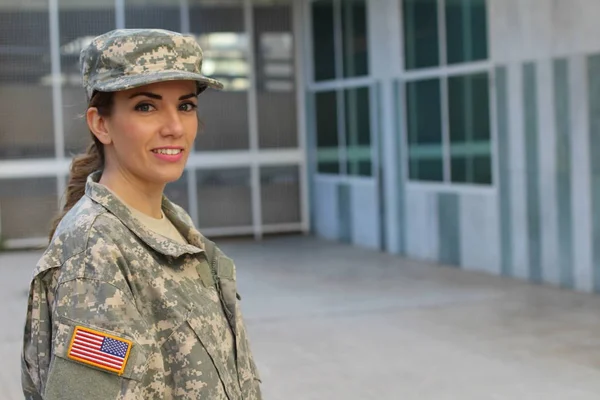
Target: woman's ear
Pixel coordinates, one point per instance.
(98, 125)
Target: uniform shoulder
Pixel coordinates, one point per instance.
(71, 234)
(86, 238)
(103, 254)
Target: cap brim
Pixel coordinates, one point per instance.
(130, 82)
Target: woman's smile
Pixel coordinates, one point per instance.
(169, 154)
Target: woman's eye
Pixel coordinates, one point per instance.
(188, 107)
(144, 107)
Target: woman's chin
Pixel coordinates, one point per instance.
(165, 177)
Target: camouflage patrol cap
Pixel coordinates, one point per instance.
(126, 58)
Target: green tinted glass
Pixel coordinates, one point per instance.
(323, 40)
(358, 131)
(354, 35)
(424, 121)
(421, 37)
(328, 157)
(469, 118)
(466, 30)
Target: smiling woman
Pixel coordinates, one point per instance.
(147, 139)
(130, 301)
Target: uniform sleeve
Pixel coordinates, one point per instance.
(88, 305)
(37, 338)
(55, 312)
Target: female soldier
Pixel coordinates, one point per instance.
(130, 301)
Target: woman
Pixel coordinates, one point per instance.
(130, 301)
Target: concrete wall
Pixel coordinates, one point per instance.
(538, 29)
(540, 220)
(544, 57)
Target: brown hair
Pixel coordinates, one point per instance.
(85, 163)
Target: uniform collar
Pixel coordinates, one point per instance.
(101, 195)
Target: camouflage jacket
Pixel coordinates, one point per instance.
(166, 317)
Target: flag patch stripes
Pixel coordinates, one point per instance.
(99, 349)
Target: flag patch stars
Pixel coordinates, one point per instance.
(101, 350)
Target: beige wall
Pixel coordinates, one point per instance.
(535, 29)
(26, 118)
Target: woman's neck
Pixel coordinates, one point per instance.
(145, 197)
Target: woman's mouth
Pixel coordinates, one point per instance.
(170, 152)
(169, 155)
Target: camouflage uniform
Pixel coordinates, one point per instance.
(172, 309)
(176, 303)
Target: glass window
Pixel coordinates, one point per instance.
(177, 192)
(275, 76)
(224, 121)
(323, 40)
(424, 121)
(280, 194)
(25, 82)
(163, 14)
(465, 136)
(469, 119)
(219, 28)
(421, 36)
(466, 30)
(224, 198)
(79, 23)
(328, 153)
(358, 131)
(27, 207)
(354, 34)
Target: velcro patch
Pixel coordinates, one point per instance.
(101, 350)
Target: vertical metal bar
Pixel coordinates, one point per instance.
(57, 101)
(339, 73)
(193, 195)
(442, 37)
(377, 161)
(184, 14)
(308, 37)
(494, 134)
(253, 122)
(444, 91)
(298, 19)
(120, 14)
(468, 104)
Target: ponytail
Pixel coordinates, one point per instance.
(86, 163)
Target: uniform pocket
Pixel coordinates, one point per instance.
(196, 357)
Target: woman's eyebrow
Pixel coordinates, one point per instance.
(147, 94)
(159, 97)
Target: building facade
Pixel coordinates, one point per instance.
(465, 132)
(247, 172)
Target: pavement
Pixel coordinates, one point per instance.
(330, 321)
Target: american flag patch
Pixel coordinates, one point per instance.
(99, 349)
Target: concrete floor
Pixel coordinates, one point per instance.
(328, 321)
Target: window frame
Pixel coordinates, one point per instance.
(443, 72)
(339, 85)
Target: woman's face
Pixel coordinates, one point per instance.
(152, 130)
